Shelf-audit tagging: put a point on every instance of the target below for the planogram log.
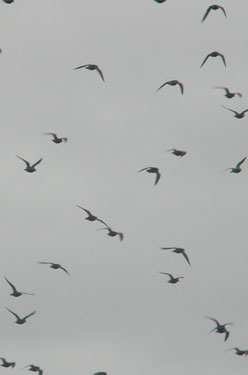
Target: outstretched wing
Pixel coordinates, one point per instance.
(246, 110)
(45, 262)
(27, 316)
(121, 235)
(206, 14)
(25, 161)
(165, 273)
(12, 286)
(241, 162)
(223, 10)
(101, 221)
(144, 169)
(186, 257)
(162, 86)
(38, 162)
(64, 270)
(81, 66)
(157, 178)
(53, 134)
(167, 248)
(87, 211)
(181, 87)
(204, 60)
(227, 334)
(236, 113)
(12, 312)
(214, 320)
(223, 58)
(100, 72)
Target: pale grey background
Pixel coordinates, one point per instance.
(117, 314)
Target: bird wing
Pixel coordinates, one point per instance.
(121, 235)
(81, 66)
(241, 162)
(45, 263)
(223, 10)
(214, 320)
(206, 14)
(227, 334)
(38, 162)
(64, 270)
(186, 257)
(204, 60)
(87, 211)
(224, 88)
(27, 316)
(101, 221)
(230, 110)
(165, 273)
(12, 286)
(246, 110)
(157, 178)
(162, 86)
(100, 72)
(223, 58)
(25, 161)
(12, 312)
(167, 248)
(143, 169)
(181, 87)
(53, 134)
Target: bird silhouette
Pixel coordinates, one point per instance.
(91, 217)
(152, 170)
(174, 82)
(213, 7)
(55, 266)
(228, 93)
(8, 1)
(160, 1)
(18, 319)
(214, 54)
(56, 139)
(238, 115)
(15, 291)
(113, 233)
(176, 152)
(91, 67)
(7, 364)
(220, 328)
(178, 250)
(239, 351)
(237, 168)
(29, 168)
(34, 368)
(173, 280)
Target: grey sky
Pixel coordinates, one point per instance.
(117, 313)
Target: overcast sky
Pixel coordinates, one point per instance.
(117, 313)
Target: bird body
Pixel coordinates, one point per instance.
(177, 152)
(6, 363)
(56, 139)
(174, 82)
(21, 320)
(228, 93)
(113, 233)
(238, 115)
(91, 217)
(15, 292)
(8, 1)
(178, 250)
(55, 266)
(34, 368)
(91, 67)
(152, 170)
(213, 7)
(214, 54)
(220, 328)
(237, 168)
(172, 280)
(29, 168)
(240, 352)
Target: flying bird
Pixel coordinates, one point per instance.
(8, 1)
(178, 250)
(152, 170)
(21, 320)
(113, 233)
(100, 373)
(237, 168)
(34, 368)
(228, 93)
(177, 152)
(174, 82)
(91, 67)
(213, 7)
(7, 364)
(29, 168)
(160, 1)
(214, 54)
(15, 292)
(237, 114)
(173, 280)
(55, 266)
(91, 217)
(220, 328)
(240, 352)
(56, 139)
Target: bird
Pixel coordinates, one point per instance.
(91, 217)
(56, 139)
(7, 364)
(213, 7)
(238, 115)
(8, 1)
(239, 351)
(55, 266)
(174, 82)
(21, 320)
(152, 170)
(220, 328)
(237, 168)
(160, 1)
(34, 368)
(15, 292)
(173, 280)
(91, 67)
(178, 250)
(228, 93)
(214, 54)
(113, 233)
(176, 152)
(29, 168)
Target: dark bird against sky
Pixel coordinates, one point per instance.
(15, 292)
(237, 168)
(176, 152)
(55, 266)
(91, 67)
(34, 368)
(113, 233)
(91, 217)
(238, 115)
(6, 363)
(18, 319)
(214, 54)
(152, 170)
(174, 82)
(228, 93)
(239, 351)
(172, 280)
(178, 250)
(56, 139)
(220, 328)
(213, 7)
(29, 168)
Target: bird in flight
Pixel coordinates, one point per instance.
(29, 168)
(178, 250)
(228, 93)
(100, 373)
(213, 7)
(91, 67)
(34, 368)
(8, 1)
(21, 320)
(237, 114)
(220, 328)
(7, 364)
(152, 170)
(55, 266)
(15, 292)
(113, 233)
(214, 54)
(237, 168)
(56, 139)
(173, 280)
(240, 352)
(174, 82)
(177, 152)
(160, 1)
(91, 217)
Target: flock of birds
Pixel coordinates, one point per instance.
(30, 168)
